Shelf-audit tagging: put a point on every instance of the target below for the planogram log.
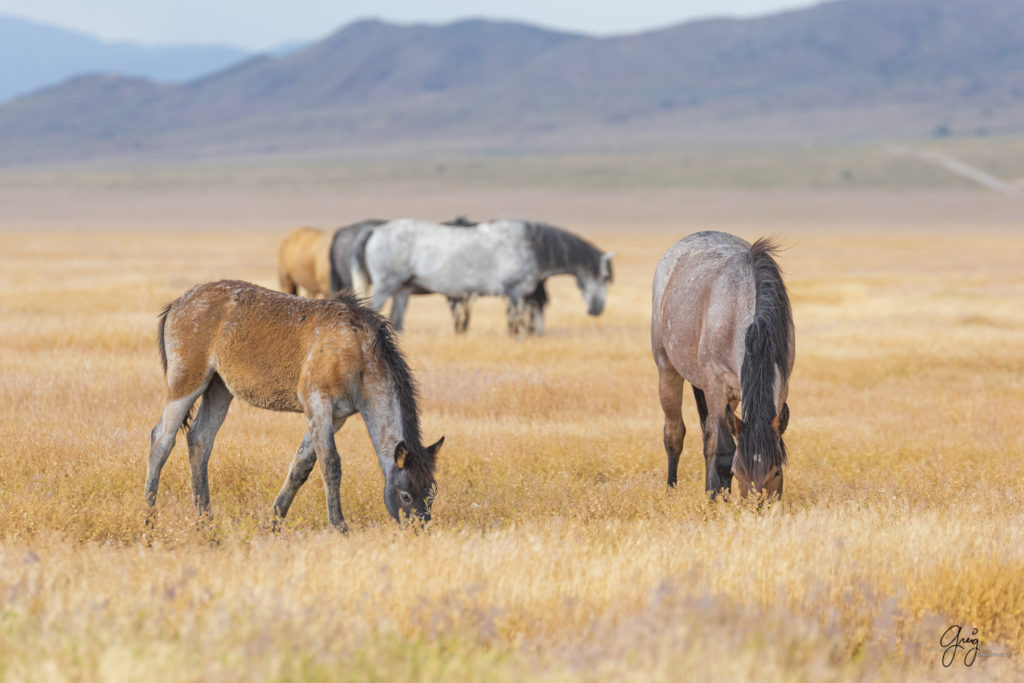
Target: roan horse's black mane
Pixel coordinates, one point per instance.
(767, 345)
(558, 249)
(420, 463)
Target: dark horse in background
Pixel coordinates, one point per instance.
(722, 321)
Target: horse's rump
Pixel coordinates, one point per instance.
(303, 260)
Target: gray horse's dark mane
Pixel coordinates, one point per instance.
(558, 249)
(420, 462)
(767, 344)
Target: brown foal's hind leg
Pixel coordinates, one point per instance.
(163, 437)
(212, 411)
(670, 391)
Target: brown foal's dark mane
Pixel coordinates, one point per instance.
(420, 462)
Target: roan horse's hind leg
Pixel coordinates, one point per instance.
(670, 391)
(212, 411)
(163, 436)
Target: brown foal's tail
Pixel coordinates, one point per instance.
(160, 337)
(187, 422)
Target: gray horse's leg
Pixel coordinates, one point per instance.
(517, 317)
(212, 411)
(163, 436)
(298, 473)
(460, 313)
(534, 319)
(670, 391)
(399, 301)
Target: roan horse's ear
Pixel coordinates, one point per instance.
(401, 451)
(436, 447)
(782, 421)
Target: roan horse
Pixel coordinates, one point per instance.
(721, 320)
(348, 270)
(302, 261)
(327, 359)
(500, 258)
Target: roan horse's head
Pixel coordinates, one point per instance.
(406, 491)
(753, 471)
(595, 285)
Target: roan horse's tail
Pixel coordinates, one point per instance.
(767, 344)
(187, 422)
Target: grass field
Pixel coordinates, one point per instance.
(556, 551)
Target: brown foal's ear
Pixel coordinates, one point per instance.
(737, 425)
(436, 447)
(400, 454)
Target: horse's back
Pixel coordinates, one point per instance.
(263, 344)
(703, 293)
(452, 260)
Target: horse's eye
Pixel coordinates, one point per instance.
(406, 497)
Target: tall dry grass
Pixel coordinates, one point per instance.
(556, 550)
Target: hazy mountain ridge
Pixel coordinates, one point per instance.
(856, 68)
(34, 56)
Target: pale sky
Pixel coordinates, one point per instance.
(261, 24)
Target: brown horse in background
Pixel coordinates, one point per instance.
(303, 260)
(326, 359)
(721, 320)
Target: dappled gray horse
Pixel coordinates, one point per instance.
(348, 271)
(506, 258)
(721, 320)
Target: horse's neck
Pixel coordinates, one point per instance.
(383, 417)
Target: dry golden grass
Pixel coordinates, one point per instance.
(556, 550)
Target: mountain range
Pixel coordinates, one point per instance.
(845, 70)
(33, 55)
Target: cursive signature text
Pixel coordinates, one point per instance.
(954, 640)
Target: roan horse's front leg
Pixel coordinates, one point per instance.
(719, 449)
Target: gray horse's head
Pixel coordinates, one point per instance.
(594, 285)
(408, 491)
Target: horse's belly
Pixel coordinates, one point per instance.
(263, 394)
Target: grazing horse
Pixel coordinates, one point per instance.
(326, 359)
(721, 320)
(302, 261)
(500, 258)
(348, 270)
